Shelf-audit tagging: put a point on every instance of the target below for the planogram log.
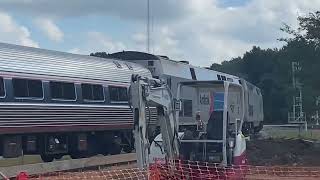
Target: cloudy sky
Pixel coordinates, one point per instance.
(200, 31)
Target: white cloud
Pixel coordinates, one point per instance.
(11, 32)
(75, 51)
(49, 28)
(101, 42)
(139, 37)
(98, 42)
(125, 9)
(210, 33)
(164, 42)
(201, 31)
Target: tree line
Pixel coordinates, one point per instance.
(270, 69)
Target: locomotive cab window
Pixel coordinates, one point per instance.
(92, 92)
(118, 94)
(223, 78)
(187, 108)
(27, 88)
(62, 90)
(2, 89)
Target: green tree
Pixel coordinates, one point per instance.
(308, 30)
(100, 54)
(270, 69)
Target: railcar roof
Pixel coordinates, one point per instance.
(21, 59)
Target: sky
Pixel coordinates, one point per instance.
(200, 31)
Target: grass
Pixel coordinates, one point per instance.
(285, 132)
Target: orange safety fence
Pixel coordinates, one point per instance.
(102, 174)
(190, 170)
(195, 170)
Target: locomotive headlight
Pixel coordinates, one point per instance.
(199, 121)
(198, 116)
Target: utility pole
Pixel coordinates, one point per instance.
(317, 112)
(297, 116)
(148, 26)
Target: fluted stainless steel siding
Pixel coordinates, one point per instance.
(28, 116)
(20, 59)
(33, 115)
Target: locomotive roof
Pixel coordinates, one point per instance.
(206, 83)
(137, 55)
(134, 55)
(171, 67)
(28, 60)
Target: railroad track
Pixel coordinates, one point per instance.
(95, 162)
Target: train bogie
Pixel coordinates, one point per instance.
(52, 146)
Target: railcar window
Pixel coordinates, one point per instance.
(92, 92)
(27, 88)
(187, 108)
(62, 90)
(2, 91)
(219, 77)
(118, 93)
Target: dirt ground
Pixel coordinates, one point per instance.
(288, 152)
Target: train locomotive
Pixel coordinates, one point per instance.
(174, 72)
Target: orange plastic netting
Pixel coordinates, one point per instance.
(193, 170)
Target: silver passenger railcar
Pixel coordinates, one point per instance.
(54, 103)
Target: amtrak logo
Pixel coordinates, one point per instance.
(232, 108)
(204, 98)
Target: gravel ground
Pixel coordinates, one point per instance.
(278, 145)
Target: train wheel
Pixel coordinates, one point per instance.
(115, 149)
(58, 156)
(127, 149)
(258, 128)
(47, 158)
